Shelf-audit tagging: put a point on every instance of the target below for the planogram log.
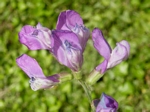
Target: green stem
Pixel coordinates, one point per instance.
(88, 92)
(94, 77)
(86, 89)
(78, 77)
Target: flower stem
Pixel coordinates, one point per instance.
(78, 77)
(87, 91)
(94, 77)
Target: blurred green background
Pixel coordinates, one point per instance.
(128, 83)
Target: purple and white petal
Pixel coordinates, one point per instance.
(35, 38)
(127, 46)
(67, 49)
(33, 70)
(119, 53)
(83, 34)
(100, 44)
(71, 21)
(30, 66)
(107, 104)
(37, 83)
(68, 19)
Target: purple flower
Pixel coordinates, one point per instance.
(71, 20)
(105, 104)
(37, 79)
(67, 49)
(35, 37)
(111, 57)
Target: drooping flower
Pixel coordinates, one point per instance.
(37, 79)
(111, 57)
(35, 38)
(71, 20)
(105, 104)
(67, 49)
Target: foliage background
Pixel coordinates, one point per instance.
(128, 83)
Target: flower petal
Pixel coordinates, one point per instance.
(37, 83)
(35, 37)
(67, 49)
(30, 66)
(119, 53)
(102, 67)
(83, 34)
(100, 44)
(107, 104)
(71, 21)
(127, 46)
(68, 19)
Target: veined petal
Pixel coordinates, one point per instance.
(83, 34)
(75, 59)
(67, 49)
(37, 83)
(30, 66)
(119, 53)
(45, 36)
(68, 19)
(35, 73)
(100, 44)
(35, 37)
(71, 21)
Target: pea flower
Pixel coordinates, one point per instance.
(63, 44)
(35, 38)
(66, 43)
(105, 104)
(37, 79)
(67, 49)
(111, 57)
(71, 20)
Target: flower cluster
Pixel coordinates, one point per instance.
(67, 43)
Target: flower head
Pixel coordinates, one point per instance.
(71, 21)
(35, 37)
(37, 79)
(67, 49)
(106, 104)
(111, 57)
